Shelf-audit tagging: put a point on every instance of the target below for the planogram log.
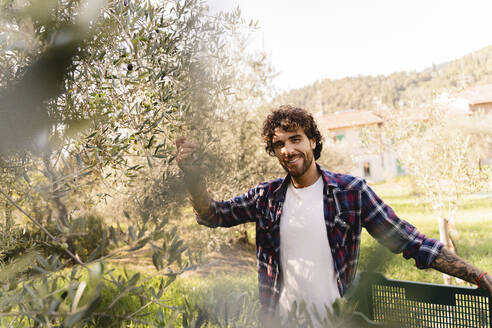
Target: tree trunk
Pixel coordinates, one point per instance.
(448, 243)
(56, 195)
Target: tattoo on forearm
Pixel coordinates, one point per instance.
(451, 264)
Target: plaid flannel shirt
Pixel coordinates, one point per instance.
(349, 204)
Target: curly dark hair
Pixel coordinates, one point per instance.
(290, 118)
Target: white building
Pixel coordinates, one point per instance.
(345, 128)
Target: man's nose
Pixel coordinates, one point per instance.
(287, 150)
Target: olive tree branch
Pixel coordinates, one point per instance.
(40, 226)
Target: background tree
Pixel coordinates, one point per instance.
(442, 153)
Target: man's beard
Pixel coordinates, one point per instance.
(306, 164)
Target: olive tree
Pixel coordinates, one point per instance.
(442, 153)
(94, 101)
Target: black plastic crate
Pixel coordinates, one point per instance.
(413, 304)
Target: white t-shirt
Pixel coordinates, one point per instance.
(305, 254)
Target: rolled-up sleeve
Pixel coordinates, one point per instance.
(398, 235)
(228, 213)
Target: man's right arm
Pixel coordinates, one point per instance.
(194, 180)
(199, 195)
(226, 213)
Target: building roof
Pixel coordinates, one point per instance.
(348, 119)
(477, 95)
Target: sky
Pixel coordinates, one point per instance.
(312, 40)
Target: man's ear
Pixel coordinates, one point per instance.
(313, 143)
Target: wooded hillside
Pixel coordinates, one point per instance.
(395, 90)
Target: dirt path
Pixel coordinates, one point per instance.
(232, 259)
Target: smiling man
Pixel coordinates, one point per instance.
(308, 224)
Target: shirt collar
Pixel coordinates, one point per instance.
(328, 179)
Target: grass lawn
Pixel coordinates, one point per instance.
(473, 222)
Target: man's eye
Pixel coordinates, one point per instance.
(277, 145)
(296, 140)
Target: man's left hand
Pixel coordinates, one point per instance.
(486, 283)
